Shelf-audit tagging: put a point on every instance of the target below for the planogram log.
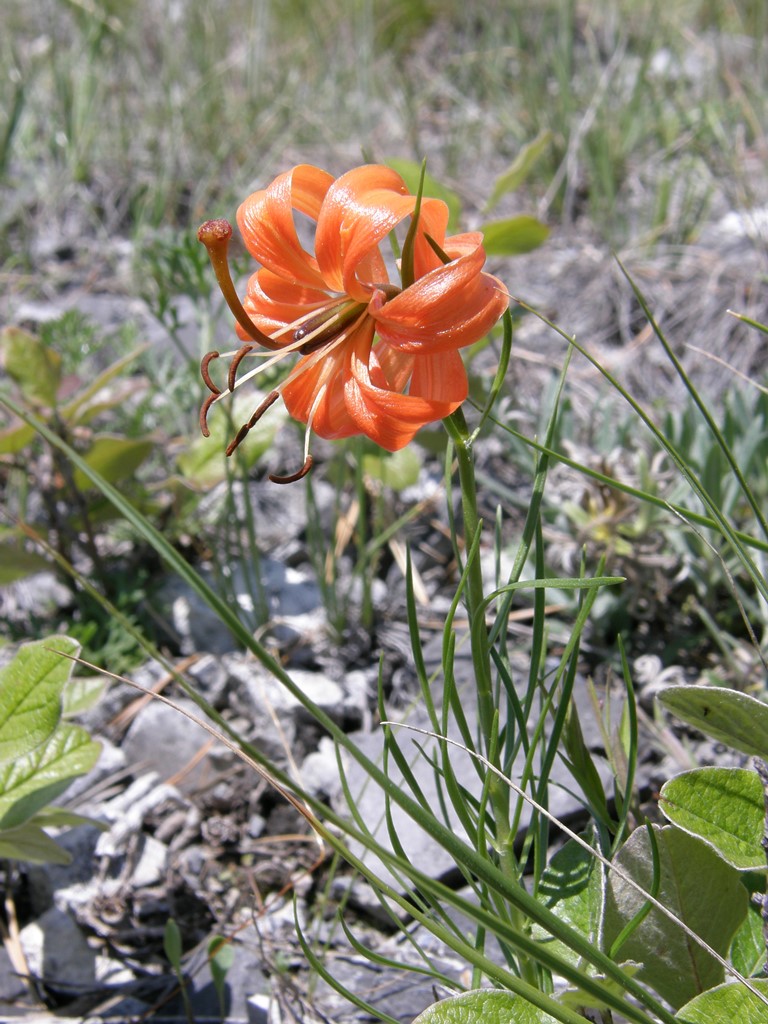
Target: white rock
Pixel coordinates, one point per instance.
(57, 951)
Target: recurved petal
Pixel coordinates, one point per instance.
(359, 211)
(433, 220)
(315, 390)
(388, 417)
(266, 222)
(274, 303)
(440, 378)
(450, 307)
(330, 419)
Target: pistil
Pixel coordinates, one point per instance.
(215, 236)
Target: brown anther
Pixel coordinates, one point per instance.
(205, 373)
(204, 408)
(308, 463)
(242, 433)
(234, 365)
(239, 436)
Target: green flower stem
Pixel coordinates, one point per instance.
(498, 793)
(458, 431)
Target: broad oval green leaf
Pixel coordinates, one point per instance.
(723, 807)
(728, 1004)
(33, 365)
(486, 1005)
(699, 888)
(30, 694)
(747, 952)
(394, 469)
(34, 780)
(572, 886)
(513, 236)
(734, 718)
(81, 694)
(114, 458)
(221, 956)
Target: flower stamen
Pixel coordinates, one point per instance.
(206, 374)
(308, 460)
(293, 477)
(204, 409)
(233, 366)
(242, 433)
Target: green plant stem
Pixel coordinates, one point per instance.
(457, 429)
(456, 426)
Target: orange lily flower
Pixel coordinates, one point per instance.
(376, 358)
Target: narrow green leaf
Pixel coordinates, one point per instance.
(727, 1004)
(702, 890)
(114, 458)
(520, 168)
(408, 252)
(734, 718)
(577, 755)
(491, 1006)
(410, 172)
(35, 779)
(30, 694)
(33, 365)
(513, 236)
(724, 808)
(29, 843)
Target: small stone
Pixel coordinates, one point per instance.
(320, 770)
(65, 882)
(164, 740)
(255, 825)
(57, 952)
(152, 864)
(262, 1009)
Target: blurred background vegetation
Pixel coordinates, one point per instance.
(146, 114)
